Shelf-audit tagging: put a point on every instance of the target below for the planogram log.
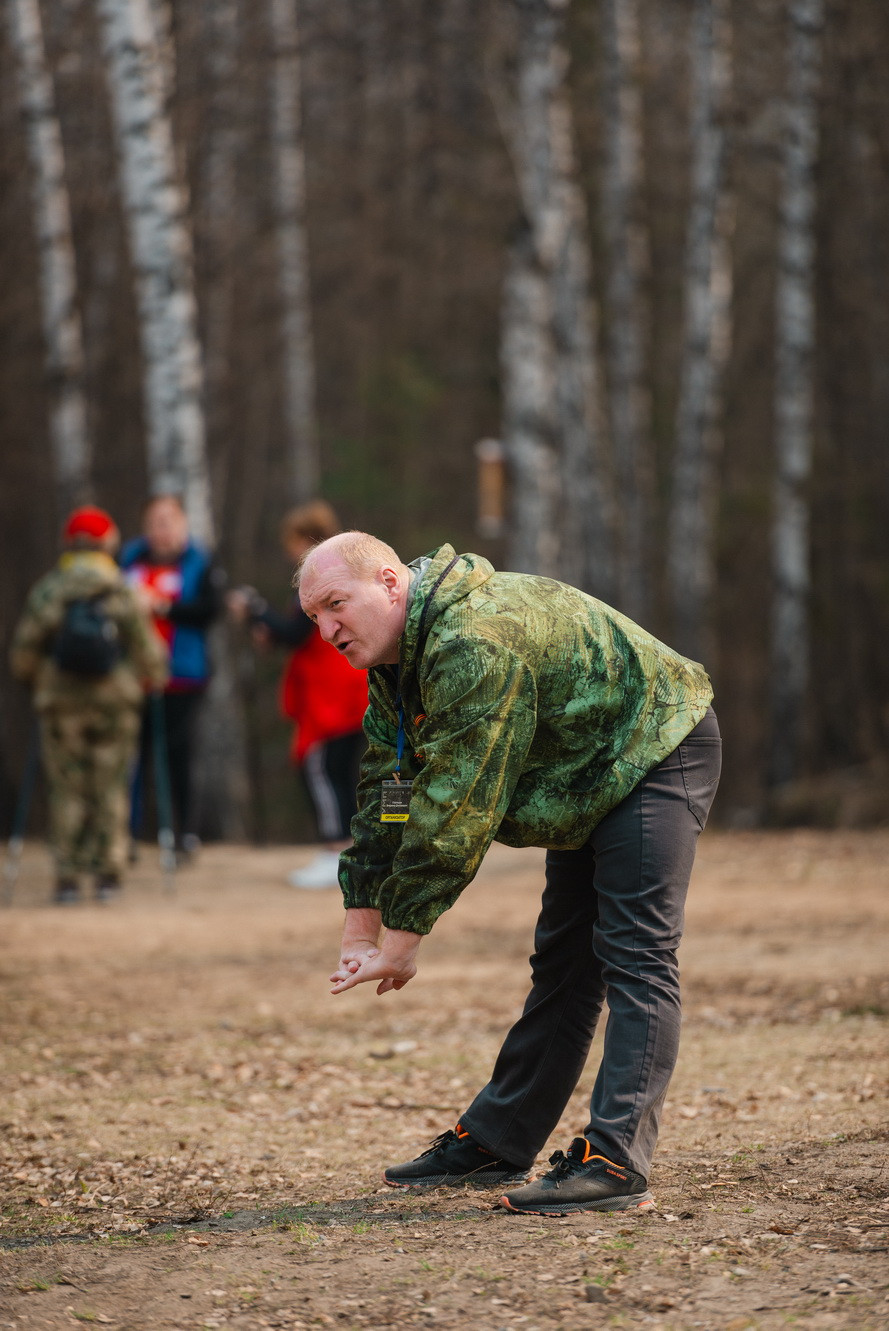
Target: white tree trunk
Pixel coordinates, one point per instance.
(156, 208)
(691, 551)
(627, 247)
(571, 505)
(528, 394)
(139, 55)
(58, 275)
(289, 194)
(794, 350)
(587, 558)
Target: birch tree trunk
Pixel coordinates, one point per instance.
(548, 286)
(156, 208)
(528, 393)
(62, 329)
(587, 558)
(627, 247)
(216, 222)
(289, 194)
(794, 348)
(691, 549)
(139, 58)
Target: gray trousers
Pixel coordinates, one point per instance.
(610, 924)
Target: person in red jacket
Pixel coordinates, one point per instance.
(320, 692)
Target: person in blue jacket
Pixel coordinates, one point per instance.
(181, 586)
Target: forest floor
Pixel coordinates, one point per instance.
(193, 1129)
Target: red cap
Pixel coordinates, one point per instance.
(88, 521)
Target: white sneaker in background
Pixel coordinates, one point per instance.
(320, 873)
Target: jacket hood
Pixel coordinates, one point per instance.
(137, 549)
(445, 578)
(87, 573)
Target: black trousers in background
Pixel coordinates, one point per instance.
(609, 927)
(331, 775)
(180, 714)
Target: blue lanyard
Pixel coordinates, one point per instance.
(400, 749)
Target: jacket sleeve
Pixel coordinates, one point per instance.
(366, 863)
(32, 634)
(287, 630)
(481, 708)
(206, 605)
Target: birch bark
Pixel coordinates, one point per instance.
(587, 520)
(289, 193)
(627, 247)
(691, 548)
(156, 209)
(528, 392)
(794, 349)
(61, 321)
(139, 55)
(560, 450)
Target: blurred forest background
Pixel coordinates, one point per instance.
(640, 247)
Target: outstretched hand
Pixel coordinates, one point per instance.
(364, 958)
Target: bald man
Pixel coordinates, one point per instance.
(510, 707)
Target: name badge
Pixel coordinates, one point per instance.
(395, 802)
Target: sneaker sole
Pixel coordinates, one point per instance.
(456, 1181)
(640, 1201)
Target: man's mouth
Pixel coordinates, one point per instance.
(343, 646)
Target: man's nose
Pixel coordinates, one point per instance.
(327, 627)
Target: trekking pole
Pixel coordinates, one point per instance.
(166, 837)
(16, 844)
(137, 811)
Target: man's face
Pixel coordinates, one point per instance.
(363, 616)
(166, 529)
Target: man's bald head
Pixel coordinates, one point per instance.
(358, 550)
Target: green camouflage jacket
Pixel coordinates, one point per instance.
(531, 710)
(81, 574)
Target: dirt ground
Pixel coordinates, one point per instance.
(193, 1129)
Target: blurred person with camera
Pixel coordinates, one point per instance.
(320, 692)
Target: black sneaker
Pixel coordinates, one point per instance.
(107, 888)
(454, 1158)
(581, 1181)
(67, 892)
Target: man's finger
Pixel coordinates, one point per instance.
(340, 975)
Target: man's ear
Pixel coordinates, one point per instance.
(390, 580)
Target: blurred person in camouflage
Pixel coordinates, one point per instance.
(512, 707)
(87, 649)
